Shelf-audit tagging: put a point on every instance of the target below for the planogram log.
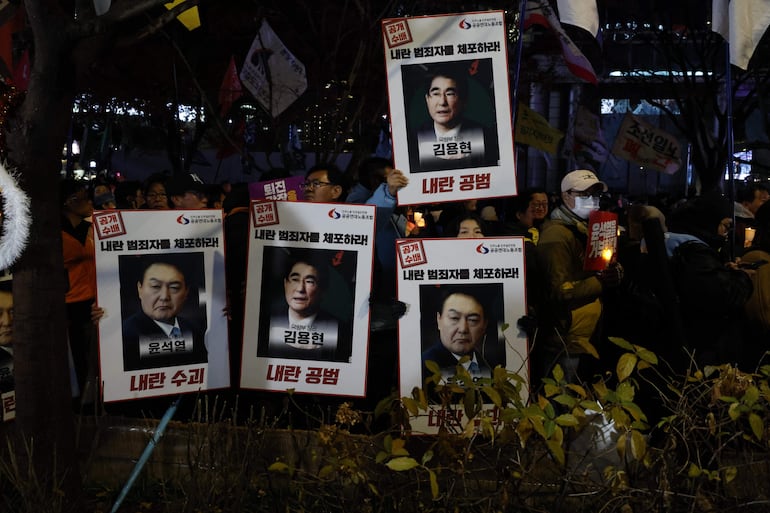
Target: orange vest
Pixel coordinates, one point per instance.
(80, 262)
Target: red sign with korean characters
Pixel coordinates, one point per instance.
(602, 241)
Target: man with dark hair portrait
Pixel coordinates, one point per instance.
(301, 329)
(449, 139)
(462, 321)
(156, 335)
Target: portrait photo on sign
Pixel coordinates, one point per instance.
(163, 314)
(458, 320)
(307, 298)
(450, 115)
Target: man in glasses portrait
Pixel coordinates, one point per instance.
(325, 183)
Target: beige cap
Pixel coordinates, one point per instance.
(581, 180)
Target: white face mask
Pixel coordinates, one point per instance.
(584, 206)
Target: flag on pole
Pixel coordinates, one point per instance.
(539, 12)
(231, 88)
(581, 13)
(189, 18)
(742, 23)
(534, 130)
(272, 73)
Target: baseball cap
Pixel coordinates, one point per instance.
(580, 180)
(179, 185)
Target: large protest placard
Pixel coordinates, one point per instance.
(450, 106)
(307, 297)
(464, 298)
(160, 279)
(7, 383)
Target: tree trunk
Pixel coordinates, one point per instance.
(44, 415)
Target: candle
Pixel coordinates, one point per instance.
(748, 235)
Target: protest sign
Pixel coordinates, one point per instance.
(164, 332)
(640, 142)
(308, 284)
(450, 106)
(289, 189)
(602, 246)
(464, 297)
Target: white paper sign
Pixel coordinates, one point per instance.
(464, 297)
(450, 106)
(307, 297)
(160, 280)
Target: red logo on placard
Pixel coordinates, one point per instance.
(411, 253)
(109, 224)
(396, 32)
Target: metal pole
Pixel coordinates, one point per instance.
(156, 436)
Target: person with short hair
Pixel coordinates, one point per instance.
(450, 140)
(157, 335)
(461, 321)
(301, 329)
(325, 183)
(155, 196)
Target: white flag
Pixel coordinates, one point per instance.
(742, 23)
(581, 13)
(272, 73)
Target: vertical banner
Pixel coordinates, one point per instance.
(7, 383)
(602, 246)
(310, 268)
(450, 106)
(160, 279)
(464, 298)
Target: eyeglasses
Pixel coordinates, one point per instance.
(539, 204)
(585, 194)
(314, 184)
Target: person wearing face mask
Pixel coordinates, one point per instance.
(571, 300)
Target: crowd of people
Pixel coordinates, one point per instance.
(683, 283)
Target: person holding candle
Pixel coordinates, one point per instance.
(571, 306)
(748, 201)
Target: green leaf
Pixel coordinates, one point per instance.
(566, 400)
(432, 367)
(621, 342)
(730, 474)
(381, 456)
(551, 390)
(411, 406)
(433, 484)
(577, 389)
(734, 411)
(427, 456)
(556, 451)
(493, 395)
(278, 466)
(694, 470)
(625, 392)
(626, 365)
(567, 419)
(751, 395)
(638, 445)
(591, 405)
(757, 425)
(647, 355)
(558, 373)
(402, 463)
(325, 471)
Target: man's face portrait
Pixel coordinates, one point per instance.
(461, 324)
(162, 292)
(318, 188)
(445, 105)
(302, 289)
(6, 319)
